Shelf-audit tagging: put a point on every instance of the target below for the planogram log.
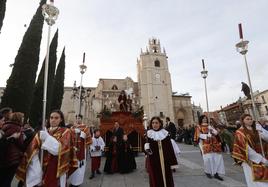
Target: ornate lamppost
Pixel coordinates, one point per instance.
(81, 94)
(242, 48)
(50, 13)
(83, 69)
(204, 74)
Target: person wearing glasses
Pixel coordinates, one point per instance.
(59, 158)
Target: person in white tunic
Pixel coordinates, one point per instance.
(247, 151)
(96, 149)
(210, 146)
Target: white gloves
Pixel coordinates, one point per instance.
(258, 127)
(83, 135)
(209, 135)
(77, 131)
(264, 161)
(146, 146)
(43, 135)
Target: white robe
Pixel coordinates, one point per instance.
(34, 172)
(177, 152)
(254, 157)
(97, 142)
(213, 162)
(77, 177)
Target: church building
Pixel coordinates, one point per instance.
(153, 92)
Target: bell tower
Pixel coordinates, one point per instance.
(154, 81)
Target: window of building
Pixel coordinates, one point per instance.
(266, 107)
(263, 99)
(114, 87)
(157, 63)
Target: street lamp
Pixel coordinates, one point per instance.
(50, 13)
(83, 69)
(81, 94)
(242, 48)
(204, 74)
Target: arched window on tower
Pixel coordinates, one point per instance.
(154, 49)
(114, 87)
(157, 63)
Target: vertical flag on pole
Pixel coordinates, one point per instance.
(203, 63)
(84, 56)
(240, 31)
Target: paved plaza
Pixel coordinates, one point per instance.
(189, 174)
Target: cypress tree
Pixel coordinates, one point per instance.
(2, 12)
(19, 89)
(58, 85)
(37, 103)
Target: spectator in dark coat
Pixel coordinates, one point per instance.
(171, 128)
(14, 148)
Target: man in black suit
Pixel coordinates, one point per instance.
(118, 132)
(171, 128)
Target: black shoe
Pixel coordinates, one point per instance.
(208, 175)
(91, 176)
(216, 176)
(98, 172)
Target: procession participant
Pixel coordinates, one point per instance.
(161, 156)
(118, 132)
(126, 158)
(210, 147)
(111, 164)
(82, 140)
(59, 157)
(247, 151)
(96, 149)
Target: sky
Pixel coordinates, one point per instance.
(112, 33)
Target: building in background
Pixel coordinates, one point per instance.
(153, 92)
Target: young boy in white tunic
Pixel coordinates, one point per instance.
(96, 149)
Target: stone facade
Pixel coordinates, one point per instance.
(262, 98)
(153, 91)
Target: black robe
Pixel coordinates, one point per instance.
(126, 158)
(154, 166)
(111, 164)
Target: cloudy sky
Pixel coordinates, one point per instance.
(113, 32)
